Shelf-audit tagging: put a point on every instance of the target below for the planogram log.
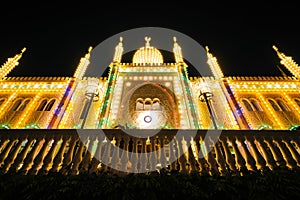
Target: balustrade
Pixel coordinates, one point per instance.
(64, 151)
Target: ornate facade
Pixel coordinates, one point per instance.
(150, 94)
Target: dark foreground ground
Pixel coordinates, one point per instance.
(279, 184)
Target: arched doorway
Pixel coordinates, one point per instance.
(149, 106)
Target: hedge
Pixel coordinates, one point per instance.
(277, 184)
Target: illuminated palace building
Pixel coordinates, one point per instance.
(149, 93)
(41, 116)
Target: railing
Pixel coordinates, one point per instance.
(72, 152)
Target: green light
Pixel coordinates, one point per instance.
(32, 126)
(4, 126)
(264, 126)
(294, 127)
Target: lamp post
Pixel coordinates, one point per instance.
(205, 96)
(90, 93)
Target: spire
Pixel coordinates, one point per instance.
(147, 39)
(119, 51)
(214, 65)
(288, 62)
(83, 63)
(10, 64)
(279, 54)
(177, 51)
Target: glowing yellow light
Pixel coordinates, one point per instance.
(10, 64)
(147, 55)
(26, 115)
(272, 113)
(150, 119)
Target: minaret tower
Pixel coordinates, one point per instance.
(288, 62)
(177, 51)
(10, 64)
(214, 65)
(83, 64)
(119, 51)
(224, 95)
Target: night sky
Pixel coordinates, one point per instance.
(240, 36)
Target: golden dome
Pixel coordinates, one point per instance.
(147, 55)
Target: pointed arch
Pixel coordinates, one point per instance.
(2, 100)
(24, 104)
(282, 105)
(156, 104)
(256, 105)
(297, 101)
(139, 104)
(50, 105)
(274, 105)
(16, 104)
(42, 105)
(147, 104)
(247, 104)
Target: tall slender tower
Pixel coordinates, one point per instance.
(10, 64)
(221, 100)
(288, 62)
(177, 51)
(83, 64)
(119, 51)
(214, 65)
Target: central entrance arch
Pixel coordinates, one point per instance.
(149, 106)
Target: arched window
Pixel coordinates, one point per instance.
(42, 105)
(16, 105)
(1, 101)
(282, 105)
(139, 104)
(297, 102)
(247, 105)
(274, 105)
(256, 105)
(24, 104)
(156, 104)
(50, 105)
(148, 104)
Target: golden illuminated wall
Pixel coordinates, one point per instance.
(267, 102)
(77, 107)
(63, 102)
(220, 107)
(128, 78)
(30, 102)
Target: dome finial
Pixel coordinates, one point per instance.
(147, 39)
(90, 49)
(23, 50)
(275, 48)
(207, 49)
(147, 55)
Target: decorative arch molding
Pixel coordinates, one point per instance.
(163, 95)
(282, 104)
(274, 104)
